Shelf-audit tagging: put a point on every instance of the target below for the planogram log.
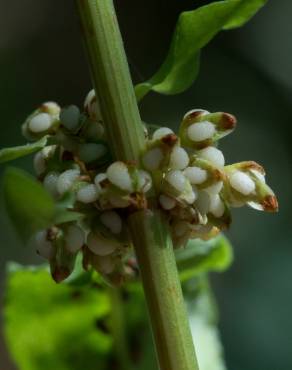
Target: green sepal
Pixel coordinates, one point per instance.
(9, 154)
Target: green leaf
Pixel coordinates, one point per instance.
(203, 320)
(50, 326)
(203, 256)
(8, 154)
(193, 31)
(28, 204)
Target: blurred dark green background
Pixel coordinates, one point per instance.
(247, 72)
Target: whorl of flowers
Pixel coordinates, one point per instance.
(184, 175)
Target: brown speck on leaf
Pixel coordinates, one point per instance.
(270, 203)
(251, 165)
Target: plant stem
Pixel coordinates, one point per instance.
(118, 329)
(150, 235)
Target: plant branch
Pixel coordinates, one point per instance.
(150, 235)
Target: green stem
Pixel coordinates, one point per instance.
(151, 239)
(118, 329)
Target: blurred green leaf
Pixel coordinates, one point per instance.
(50, 326)
(203, 256)
(28, 204)
(203, 323)
(8, 154)
(193, 31)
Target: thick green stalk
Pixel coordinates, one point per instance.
(113, 86)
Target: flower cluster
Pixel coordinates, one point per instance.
(184, 175)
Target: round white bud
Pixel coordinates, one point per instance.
(241, 182)
(51, 107)
(177, 180)
(161, 132)
(152, 159)
(91, 152)
(66, 180)
(196, 175)
(201, 131)
(112, 221)
(215, 188)
(39, 163)
(40, 123)
(213, 155)
(179, 158)
(87, 194)
(166, 202)
(203, 202)
(44, 247)
(74, 238)
(216, 206)
(118, 175)
(99, 245)
(69, 117)
(50, 183)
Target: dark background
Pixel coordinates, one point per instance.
(246, 72)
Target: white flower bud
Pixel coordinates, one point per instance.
(213, 155)
(91, 106)
(161, 132)
(216, 206)
(204, 112)
(112, 221)
(177, 180)
(166, 202)
(152, 159)
(241, 182)
(203, 202)
(196, 175)
(179, 158)
(70, 117)
(201, 131)
(99, 245)
(91, 152)
(215, 188)
(118, 175)
(51, 107)
(74, 238)
(98, 179)
(87, 194)
(44, 247)
(50, 183)
(39, 160)
(145, 181)
(66, 180)
(40, 123)
(39, 163)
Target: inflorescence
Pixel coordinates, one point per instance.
(183, 175)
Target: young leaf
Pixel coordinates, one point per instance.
(202, 256)
(50, 326)
(8, 154)
(193, 31)
(28, 204)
